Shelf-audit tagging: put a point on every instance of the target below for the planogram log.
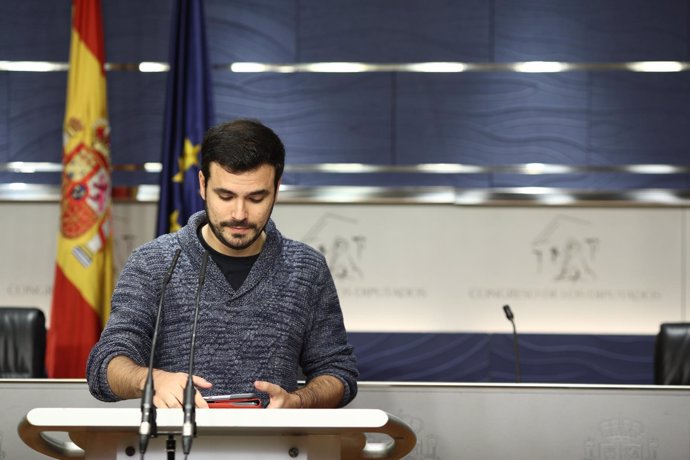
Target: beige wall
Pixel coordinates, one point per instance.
(439, 268)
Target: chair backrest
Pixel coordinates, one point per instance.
(672, 354)
(22, 342)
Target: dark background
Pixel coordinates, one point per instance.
(585, 118)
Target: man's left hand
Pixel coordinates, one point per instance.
(278, 398)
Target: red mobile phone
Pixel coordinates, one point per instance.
(234, 401)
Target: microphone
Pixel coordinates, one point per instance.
(511, 318)
(148, 428)
(189, 424)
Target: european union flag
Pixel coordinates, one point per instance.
(188, 114)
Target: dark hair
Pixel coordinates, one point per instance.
(242, 145)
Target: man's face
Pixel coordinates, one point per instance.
(238, 207)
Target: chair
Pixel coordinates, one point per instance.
(22, 342)
(672, 354)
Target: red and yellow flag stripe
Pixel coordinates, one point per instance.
(83, 272)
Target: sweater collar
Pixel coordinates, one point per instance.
(191, 246)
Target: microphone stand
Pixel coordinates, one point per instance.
(511, 318)
(189, 424)
(170, 447)
(148, 428)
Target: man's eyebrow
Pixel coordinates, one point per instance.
(222, 190)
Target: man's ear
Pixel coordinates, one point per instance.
(202, 185)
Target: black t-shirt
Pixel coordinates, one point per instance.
(235, 269)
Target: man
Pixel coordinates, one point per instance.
(268, 304)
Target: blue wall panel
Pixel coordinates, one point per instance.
(136, 103)
(36, 113)
(4, 116)
(388, 179)
(422, 357)
(34, 30)
(136, 31)
(640, 118)
(544, 358)
(594, 181)
(496, 118)
(591, 31)
(574, 358)
(394, 30)
(251, 30)
(321, 118)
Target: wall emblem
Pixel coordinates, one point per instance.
(621, 439)
(427, 447)
(566, 250)
(337, 238)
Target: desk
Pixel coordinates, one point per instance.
(463, 421)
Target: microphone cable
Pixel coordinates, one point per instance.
(511, 318)
(189, 424)
(148, 427)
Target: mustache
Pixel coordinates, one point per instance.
(237, 223)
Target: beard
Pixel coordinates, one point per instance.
(238, 241)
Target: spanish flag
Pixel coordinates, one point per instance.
(188, 114)
(83, 273)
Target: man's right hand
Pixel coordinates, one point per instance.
(127, 380)
(170, 386)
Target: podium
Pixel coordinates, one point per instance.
(262, 434)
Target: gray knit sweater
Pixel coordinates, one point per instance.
(286, 314)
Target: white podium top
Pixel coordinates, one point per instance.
(345, 423)
(268, 420)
